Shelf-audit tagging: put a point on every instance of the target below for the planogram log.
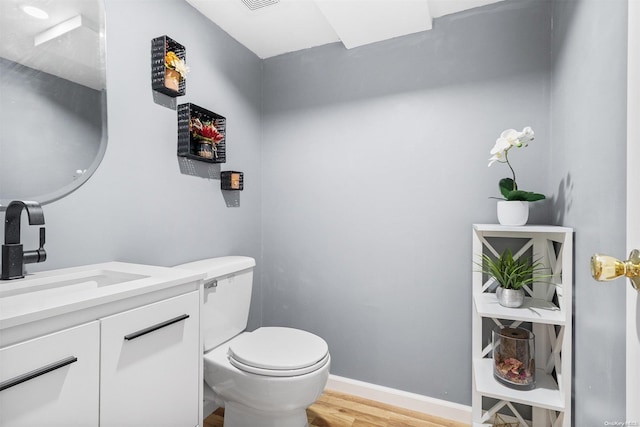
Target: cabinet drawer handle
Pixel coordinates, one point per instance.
(37, 372)
(145, 331)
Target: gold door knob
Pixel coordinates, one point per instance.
(605, 268)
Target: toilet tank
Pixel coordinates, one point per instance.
(227, 297)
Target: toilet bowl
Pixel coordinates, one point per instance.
(273, 390)
(264, 378)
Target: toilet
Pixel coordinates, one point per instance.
(266, 378)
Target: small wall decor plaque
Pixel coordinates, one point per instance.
(168, 66)
(201, 134)
(231, 180)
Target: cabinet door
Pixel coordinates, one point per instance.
(51, 380)
(150, 364)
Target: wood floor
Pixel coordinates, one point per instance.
(335, 409)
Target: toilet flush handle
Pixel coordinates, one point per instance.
(213, 283)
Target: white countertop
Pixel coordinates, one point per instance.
(39, 296)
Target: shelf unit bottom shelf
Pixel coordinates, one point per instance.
(491, 424)
(487, 425)
(546, 394)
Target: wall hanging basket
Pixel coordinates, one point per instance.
(231, 180)
(165, 79)
(202, 134)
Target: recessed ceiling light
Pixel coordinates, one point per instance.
(35, 12)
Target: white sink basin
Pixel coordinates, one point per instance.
(62, 292)
(43, 288)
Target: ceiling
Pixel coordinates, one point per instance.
(273, 27)
(266, 27)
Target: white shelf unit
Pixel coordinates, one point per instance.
(547, 310)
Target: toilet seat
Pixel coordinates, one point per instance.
(278, 352)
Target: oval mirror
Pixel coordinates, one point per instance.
(53, 109)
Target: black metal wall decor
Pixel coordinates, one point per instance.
(201, 134)
(168, 67)
(232, 180)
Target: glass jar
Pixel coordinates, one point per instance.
(205, 150)
(513, 357)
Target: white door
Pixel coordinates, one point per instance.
(633, 211)
(633, 217)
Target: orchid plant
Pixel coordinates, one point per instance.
(509, 139)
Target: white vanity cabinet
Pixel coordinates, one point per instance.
(149, 368)
(51, 380)
(110, 345)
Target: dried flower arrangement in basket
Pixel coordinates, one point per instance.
(207, 135)
(168, 66)
(201, 134)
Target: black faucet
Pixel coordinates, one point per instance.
(13, 257)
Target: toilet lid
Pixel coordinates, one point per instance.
(276, 348)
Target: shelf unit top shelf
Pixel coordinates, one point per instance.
(522, 228)
(533, 310)
(545, 395)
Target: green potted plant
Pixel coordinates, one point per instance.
(513, 208)
(512, 274)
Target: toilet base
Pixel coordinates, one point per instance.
(237, 415)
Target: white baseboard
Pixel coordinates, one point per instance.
(402, 399)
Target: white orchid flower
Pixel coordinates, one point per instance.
(498, 152)
(510, 134)
(519, 139)
(513, 137)
(495, 158)
(526, 136)
(510, 138)
(502, 144)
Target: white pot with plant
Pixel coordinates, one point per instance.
(512, 275)
(513, 208)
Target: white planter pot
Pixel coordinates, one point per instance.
(513, 212)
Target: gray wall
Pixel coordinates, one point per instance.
(375, 167)
(139, 206)
(588, 170)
